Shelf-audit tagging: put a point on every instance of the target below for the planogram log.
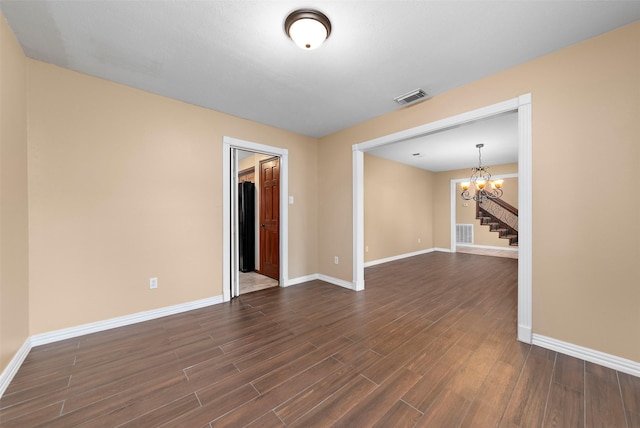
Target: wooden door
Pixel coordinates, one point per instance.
(270, 217)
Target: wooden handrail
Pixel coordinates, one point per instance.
(502, 204)
(506, 206)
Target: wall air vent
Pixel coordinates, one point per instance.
(411, 97)
(464, 233)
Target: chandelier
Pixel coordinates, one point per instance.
(485, 188)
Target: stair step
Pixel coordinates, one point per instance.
(487, 220)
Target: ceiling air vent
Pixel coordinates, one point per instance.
(411, 97)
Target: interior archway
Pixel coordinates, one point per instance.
(522, 105)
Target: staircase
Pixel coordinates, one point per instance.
(500, 217)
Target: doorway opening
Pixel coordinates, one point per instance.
(258, 218)
(458, 205)
(523, 106)
(255, 185)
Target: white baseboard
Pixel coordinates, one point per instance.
(398, 257)
(54, 336)
(489, 247)
(524, 333)
(325, 278)
(67, 333)
(442, 250)
(302, 279)
(10, 371)
(591, 355)
(319, 276)
(336, 281)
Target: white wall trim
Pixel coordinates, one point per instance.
(54, 336)
(303, 279)
(94, 327)
(525, 219)
(325, 278)
(14, 365)
(490, 247)
(227, 144)
(523, 105)
(336, 281)
(398, 257)
(358, 219)
(587, 354)
(470, 116)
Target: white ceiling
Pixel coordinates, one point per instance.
(234, 57)
(455, 148)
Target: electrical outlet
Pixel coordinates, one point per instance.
(153, 282)
(336, 260)
(366, 249)
(419, 240)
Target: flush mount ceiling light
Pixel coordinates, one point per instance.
(308, 28)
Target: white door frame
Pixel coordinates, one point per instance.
(522, 105)
(230, 251)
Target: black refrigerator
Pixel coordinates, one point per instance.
(246, 226)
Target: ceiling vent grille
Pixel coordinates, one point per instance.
(411, 97)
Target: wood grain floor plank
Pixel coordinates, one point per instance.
(480, 414)
(604, 405)
(630, 389)
(38, 374)
(401, 415)
(33, 417)
(32, 405)
(164, 414)
(447, 411)
(280, 375)
(35, 391)
(219, 406)
(79, 397)
(337, 403)
(565, 407)
(495, 392)
(133, 401)
(268, 401)
(529, 398)
(425, 392)
(268, 420)
(217, 385)
(421, 345)
(294, 408)
(375, 405)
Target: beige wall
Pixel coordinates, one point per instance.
(398, 208)
(467, 214)
(125, 185)
(586, 104)
(14, 291)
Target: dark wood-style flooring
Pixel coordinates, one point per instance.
(430, 342)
